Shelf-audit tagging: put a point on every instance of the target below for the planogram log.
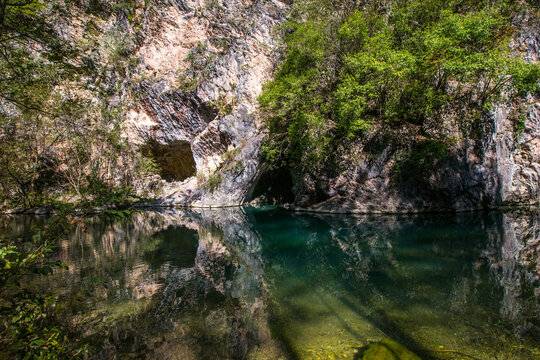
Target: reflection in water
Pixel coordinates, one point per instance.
(422, 280)
(268, 284)
(513, 253)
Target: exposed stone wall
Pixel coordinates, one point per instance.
(202, 66)
(523, 163)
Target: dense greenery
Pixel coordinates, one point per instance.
(60, 137)
(61, 101)
(352, 66)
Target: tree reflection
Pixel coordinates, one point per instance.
(247, 283)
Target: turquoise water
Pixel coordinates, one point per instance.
(269, 284)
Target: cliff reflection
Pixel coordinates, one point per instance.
(266, 284)
(465, 282)
(221, 300)
(513, 254)
(171, 284)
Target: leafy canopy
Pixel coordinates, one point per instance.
(349, 66)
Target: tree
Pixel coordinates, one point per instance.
(34, 60)
(350, 67)
(59, 133)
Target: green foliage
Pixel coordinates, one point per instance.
(231, 154)
(201, 66)
(212, 5)
(29, 328)
(128, 8)
(101, 193)
(58, 128)
(352, 66)
(229, 163)
(29, 78)
(201, 177)
(213, 181)
(146, 165)
(224, 105)
(18, 260)
(519, 118)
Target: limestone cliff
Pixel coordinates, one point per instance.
(201, 67)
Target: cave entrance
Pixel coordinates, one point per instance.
(275, 187)
(175, 159)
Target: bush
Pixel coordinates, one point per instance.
(213, 181)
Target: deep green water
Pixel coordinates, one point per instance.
(269, 284)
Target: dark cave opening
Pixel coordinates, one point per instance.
(175, 159)
(275, 187)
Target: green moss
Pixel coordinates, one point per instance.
(387, 349)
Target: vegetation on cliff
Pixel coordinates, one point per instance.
(350, 66)
(61, 103)
(60, 137)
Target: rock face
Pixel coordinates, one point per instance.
(202, 65)
(519, 160)
(499, 167)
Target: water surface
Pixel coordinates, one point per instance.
(268, 284)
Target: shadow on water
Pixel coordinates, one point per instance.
(427, 281)
(286, 343)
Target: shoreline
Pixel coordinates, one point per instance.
(49, 210)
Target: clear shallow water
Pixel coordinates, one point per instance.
(269, 284)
